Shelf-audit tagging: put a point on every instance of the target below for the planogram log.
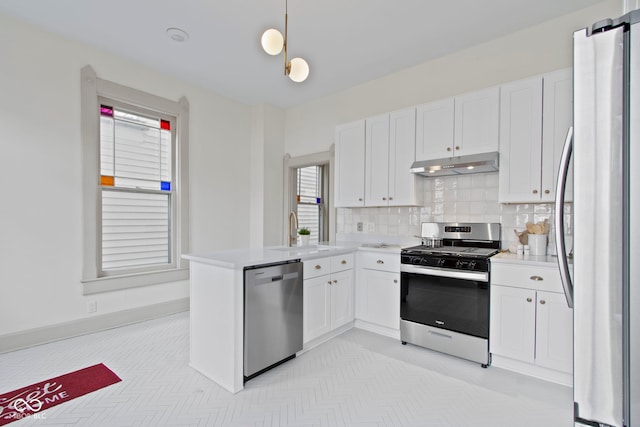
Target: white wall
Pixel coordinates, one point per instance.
(40, 173)
(531, 51)
(266, 172)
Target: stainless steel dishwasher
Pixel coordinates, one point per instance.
(272, 315)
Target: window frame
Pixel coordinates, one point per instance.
(95, 91)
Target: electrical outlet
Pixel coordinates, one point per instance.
(359, 226)
(92, 306)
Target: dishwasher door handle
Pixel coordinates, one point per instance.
(258, 281)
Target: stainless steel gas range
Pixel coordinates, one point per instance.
(444, 299)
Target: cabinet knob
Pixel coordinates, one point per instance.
(318, 267)
(390, 198)
(384, 198)
(536, 278)
(335, 281)
(395, 280)
(547, 191)
(529, 300)
(344, 261)
(380, 261)
(359, 199)
(457, 147)
(448, 148)
(542, 301)
(535, 191)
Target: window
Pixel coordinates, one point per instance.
(135, 186)
(308, 186)
(136, 173)
(310, 201)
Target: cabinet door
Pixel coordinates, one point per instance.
(404, 186)
(477, 122)
(316, 307)
(512, 323)
(376, 183)
(557, 118)
(520, 141)
(554, 332)
(434, 130)
(382, 303)
(349, 176)
(341, 298)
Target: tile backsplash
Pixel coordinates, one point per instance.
(470, 198)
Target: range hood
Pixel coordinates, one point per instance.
(462, 165)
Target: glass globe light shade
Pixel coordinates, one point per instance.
(299, 70)
(272, 41)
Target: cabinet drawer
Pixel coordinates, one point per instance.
(342, 262)
(316, 267)
(527, 277)
(379, 261)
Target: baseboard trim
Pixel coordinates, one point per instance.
(324, 338)
(377, 329)
(546, 374)
(87, 325)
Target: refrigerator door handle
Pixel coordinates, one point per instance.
(561, 249)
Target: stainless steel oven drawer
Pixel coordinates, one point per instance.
(453, 343)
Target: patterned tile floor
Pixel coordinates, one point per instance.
(356, 379)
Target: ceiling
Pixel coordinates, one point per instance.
(345, 42)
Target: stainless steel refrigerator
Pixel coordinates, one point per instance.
(603, 289)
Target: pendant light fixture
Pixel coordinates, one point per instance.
(273, 43)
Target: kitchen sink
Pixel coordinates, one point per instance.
(379, 245)
(303, 249)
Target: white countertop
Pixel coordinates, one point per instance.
(240, 258)
(511, 258)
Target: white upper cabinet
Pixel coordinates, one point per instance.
(376, 182)
(466, 124)
(521, 140)
(405, 188)
(535, 115)
(349, 166)
(434, 130)
(557, 117)
(373, 158)
(477, 122)
(389, 147)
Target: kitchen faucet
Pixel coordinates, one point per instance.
(293, 237)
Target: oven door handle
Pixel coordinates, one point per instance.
(443, 272)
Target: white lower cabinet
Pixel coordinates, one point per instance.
(378, 293)
(327, 295)
(531, 326)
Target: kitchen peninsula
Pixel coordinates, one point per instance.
(217, 305)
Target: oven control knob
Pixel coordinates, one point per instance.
(415, 260)
(472, 265)
(441, 262)
(461, 264)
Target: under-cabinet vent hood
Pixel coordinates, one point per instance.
(462, 165)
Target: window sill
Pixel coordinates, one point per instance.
(116, 283)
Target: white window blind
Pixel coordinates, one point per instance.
(135, 229)
(136, 185)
